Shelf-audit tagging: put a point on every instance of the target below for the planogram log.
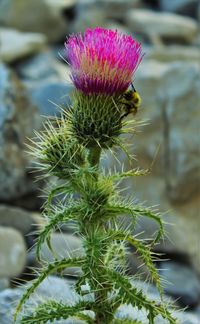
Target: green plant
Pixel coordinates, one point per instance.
(102, 64)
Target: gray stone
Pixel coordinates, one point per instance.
(183, 172)
(16, 45)
(50, 97)
(88, 16)
(167, 25)
(4, 283)
(61, 5)
(165, 103)
(48, 86)
(186, 7)
(63, 246)
(189, 214)
(181, 282)
(174, 53)
(18, 218)
(12, 252)
(101, 13)
(45, 63)
(18, 118)
(117, 9)
(34, 16)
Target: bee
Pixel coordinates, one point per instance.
(131, 101)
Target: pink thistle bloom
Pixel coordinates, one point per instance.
(102, 61)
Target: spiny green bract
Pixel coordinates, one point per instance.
(72, 151)
(58, 151)
(96, 119)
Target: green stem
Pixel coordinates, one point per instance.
(101, 289)
(94, 156)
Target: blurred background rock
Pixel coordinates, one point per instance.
(34, 81)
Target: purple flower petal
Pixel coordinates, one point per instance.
(102, 60)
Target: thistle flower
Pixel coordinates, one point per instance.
(102, 65)
(102, 61)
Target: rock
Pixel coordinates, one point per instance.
(184, 7)
(181, 282)
(18, 118)
(25, 222)
(48, 86)
(12, 252)
(50, 97)
(16, 45)
(100, 13)
(34, 16)
(4, 283)
(165, 102)
(88, 15)
(188, 212)
(61, 4)
(45, 63)
(174, 53)
(117, 9)
(183, 170)
(113, 25)
(164, 25)
(17, 218)
(65, 7)
(62, 290)
(63, 245)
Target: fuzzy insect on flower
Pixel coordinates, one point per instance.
(103, 61)
(102, 64)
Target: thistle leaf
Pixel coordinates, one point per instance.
(138, 211)
(52, 310)
(130, 173)
(145, 252)
(64, 216)
(136, 298)
(52, 267)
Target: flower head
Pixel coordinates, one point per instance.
(102, 61)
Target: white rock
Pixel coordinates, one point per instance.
(16, 45)
(12, 252)
(162, 24)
